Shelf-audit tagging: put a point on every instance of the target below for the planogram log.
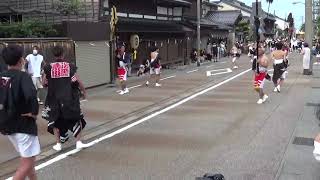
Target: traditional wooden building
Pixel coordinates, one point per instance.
(79, 21)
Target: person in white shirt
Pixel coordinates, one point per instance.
(306, 52)
(34, 64)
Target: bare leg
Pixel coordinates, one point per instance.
(26, 169)
(261, 93)
(158, 78)
(57, 134)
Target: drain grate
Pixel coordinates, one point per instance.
(303, 141)
(312, 104)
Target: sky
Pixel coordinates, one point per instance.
(282, 9)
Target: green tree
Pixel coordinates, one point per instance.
(291, 24)
(244, 28)
(302, 27)
(68, 7)
(27, 29)
(269, 2)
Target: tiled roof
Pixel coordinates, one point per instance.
(175, 2)
(229, 18)
(205, 22)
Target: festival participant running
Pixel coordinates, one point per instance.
(155, 66)
(234, 53)
(279, 65)
(122, 70)
(65, 113)
(260, 74)
(21, 128)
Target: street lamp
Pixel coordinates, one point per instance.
(198, 30)
(297, 2)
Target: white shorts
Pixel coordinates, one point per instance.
(26, 145)
(37, 82)
(156, 71)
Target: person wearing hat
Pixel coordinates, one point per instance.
(122, 70)
(155, 66)
(260, 75)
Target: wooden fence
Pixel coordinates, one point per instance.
(45, 46)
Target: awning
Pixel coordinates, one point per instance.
(174, 3)
(229, 18)
(146, 25)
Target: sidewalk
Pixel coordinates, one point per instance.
(298, 162)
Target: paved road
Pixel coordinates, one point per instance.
(220, 129)
(105, 106)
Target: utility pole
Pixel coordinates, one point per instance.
(309, 28)
(257, 24)
(198, 30)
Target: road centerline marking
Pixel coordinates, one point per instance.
(192, 71)
(169, 77)
(107, 136)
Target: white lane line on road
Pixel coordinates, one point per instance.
(135, 86)
(170, 77)
(210, 66)
(220, 71)
(192, 71)
(74, 151)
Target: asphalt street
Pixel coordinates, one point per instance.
(202, 120)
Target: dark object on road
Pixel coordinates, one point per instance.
(209, 176)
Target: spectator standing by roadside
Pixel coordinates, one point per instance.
(306, 52)
(215, 52)
(19, 111)
(209, 52)
(3, 66)
(34, 64)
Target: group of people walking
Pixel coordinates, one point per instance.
(260, 63)
(152, 64)
(19, 105)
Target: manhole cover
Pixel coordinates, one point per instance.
(303, 141)
(312, 104)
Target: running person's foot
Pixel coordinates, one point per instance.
(235, 67)
(147, 83)
(260, 101)
(57, 147)
(278, 88)
(121, 92)
(275, 89)
(80, 145)
(126, 91)
(158, 85)
(265, 97)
